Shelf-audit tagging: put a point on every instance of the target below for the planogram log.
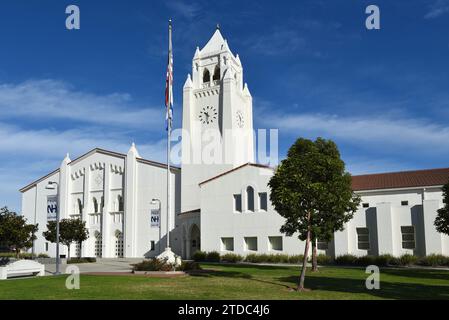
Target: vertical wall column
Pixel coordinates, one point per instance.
(63, 197)
(385, 228)
(433, 239)
(108, 241)
(130, 214)
(87, 248)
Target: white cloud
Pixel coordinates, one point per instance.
(42, 120)
(49, 99)
(187, 10)
(437, 9)
(402, 133)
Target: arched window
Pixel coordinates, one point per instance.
(216, 73)
(120, 203)
(250, 198)
(119, 244)
(80, 206)
(206, 76)
(95, 202)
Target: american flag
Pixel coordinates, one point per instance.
(169, 82)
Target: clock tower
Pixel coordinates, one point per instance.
(217, 119)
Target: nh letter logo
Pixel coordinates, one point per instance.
(73, 20)
(373, 20)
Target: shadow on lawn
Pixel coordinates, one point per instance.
(418, 273)
(388, 290)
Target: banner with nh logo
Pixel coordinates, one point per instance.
(52, 207)
(155, 218)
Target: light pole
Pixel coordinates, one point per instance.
(51, 186)
(154, 201)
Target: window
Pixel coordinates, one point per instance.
(102, 204)
(322, 245)
(80, 206)
(95, 202)
(363, 238)
(408, 237)
(120, 203)
(78, 250)
(206, 76)
(275, 243)
(227, 244)
(152, 246)
(216, 73)
(251, 243)
(263, 201)
(250, 198)
(404, 203)
(46, 246)
(366, 205)
(238, 202)
(98, 245)
(118, 244)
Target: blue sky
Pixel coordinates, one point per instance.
(312, 67)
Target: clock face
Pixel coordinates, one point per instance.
(239, 119)
(208, 115)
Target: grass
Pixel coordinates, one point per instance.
(240, 282)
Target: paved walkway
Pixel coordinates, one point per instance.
(102, 265)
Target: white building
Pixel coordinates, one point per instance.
(222, 203)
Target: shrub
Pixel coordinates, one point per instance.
(346, 259)
(407, 259)
(213, 256)
(385, 260)
(152, 264)
(298, 258)
(252, 258)
(43, 255)
(231, 257)
(81, 260)
(323, 259)
(434, 260)
(366, 261)
(189, 266)
(199, 256)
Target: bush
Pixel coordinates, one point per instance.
(273, 258)
(152, 264)
(298, 258)
(366, 261)
(43, 255)
(25, 255)
(213, 256)
(189, 266)
(346, 259)
(81, 260)
(434, 260)
(323, 259)
(231, 257)
(385, 260)
(199, 256)
(407, 259)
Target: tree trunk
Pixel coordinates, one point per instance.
(304, 261)
(17, 253)
(68, 252)
(314, 256)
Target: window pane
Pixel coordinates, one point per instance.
(251, 243)
(263, 201)
(238, 202)
(275, 243)
(250, 197)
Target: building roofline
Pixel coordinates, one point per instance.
(402, 171)
(257, 165)
(102, 151)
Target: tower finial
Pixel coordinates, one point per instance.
(218, 26)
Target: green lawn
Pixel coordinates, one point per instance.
(239, 282)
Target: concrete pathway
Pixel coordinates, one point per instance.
(102, 265)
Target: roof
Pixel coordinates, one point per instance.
(214, 44)
(235, 169)
(379, 181)
(102, 151)
(403, 179)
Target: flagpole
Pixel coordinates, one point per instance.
(169, 120)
